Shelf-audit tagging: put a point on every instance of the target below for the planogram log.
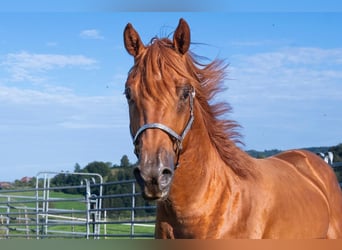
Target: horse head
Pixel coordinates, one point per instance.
(160, 97)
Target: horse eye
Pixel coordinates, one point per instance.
(128, 94)
(185, 94)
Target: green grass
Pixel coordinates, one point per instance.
(77, 205)
(19, 207)
(114, 229)
(119, 230)
(20, 204)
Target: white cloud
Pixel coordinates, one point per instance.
(13, 95)
(53, 129)
(287, 96)
(91, 34)
(295, 56)
(289, 74)
(60, 109)
(26, 66)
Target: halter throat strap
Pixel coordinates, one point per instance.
(178, 138)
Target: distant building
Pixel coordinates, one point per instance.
(26, 179)
(5, 185)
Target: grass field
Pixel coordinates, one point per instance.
(110, 230)
(18, 217)
(118, 231)
(27, 196)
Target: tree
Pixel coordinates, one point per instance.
(98, 167)
(124, 162)
(77, 168)
(337, 151)
(65, 179)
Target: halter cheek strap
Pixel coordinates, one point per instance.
(178, 138)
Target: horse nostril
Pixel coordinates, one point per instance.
(167, 172)
(166, 177)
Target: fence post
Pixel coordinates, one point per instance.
(37, 207)
(87, 197)
(8, 217)
(133, 209)
(47, 197)
(105, 223)
(26, 223)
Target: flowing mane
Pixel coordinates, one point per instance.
(207, 80)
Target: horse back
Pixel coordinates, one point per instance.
(320, 174)
(312, 167)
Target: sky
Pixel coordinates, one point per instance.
(63, 72)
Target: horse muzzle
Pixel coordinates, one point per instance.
(154, 174)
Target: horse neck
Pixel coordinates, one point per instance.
(201, 172)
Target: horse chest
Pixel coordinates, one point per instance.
(195, 227)
(200, 222)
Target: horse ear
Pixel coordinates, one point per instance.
(181, 38)
(133, 43)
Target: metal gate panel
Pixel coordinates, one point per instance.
(37, 213)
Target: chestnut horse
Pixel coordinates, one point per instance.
(205, 186)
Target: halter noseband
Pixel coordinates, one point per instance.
(178, 138)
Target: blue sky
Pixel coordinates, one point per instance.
(62, 75)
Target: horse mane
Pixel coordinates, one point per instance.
(207, 80)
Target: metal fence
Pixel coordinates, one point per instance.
(48, 211)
